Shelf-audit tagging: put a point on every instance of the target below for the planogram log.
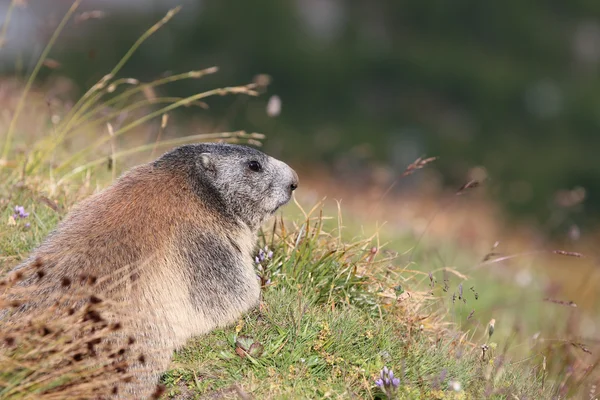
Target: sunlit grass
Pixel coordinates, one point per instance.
(525, 287)
(334, 342)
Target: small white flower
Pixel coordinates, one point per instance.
(455, 385)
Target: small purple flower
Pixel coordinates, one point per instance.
(261, 260)
(20, 212)
(387, 382)
(265, 254)
(27, 225)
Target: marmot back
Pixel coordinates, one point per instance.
(170, 242)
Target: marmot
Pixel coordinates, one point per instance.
(171, 241)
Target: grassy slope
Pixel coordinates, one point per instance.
(322, 331)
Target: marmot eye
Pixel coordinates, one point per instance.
(255, 166)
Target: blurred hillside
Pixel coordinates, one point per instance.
(509, 91)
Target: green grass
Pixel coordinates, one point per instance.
(316, 348)
(310, 351)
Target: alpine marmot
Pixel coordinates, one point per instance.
(171, 244)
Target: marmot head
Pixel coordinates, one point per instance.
(239, 181)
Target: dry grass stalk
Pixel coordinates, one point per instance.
(76, 348)
(417, 165)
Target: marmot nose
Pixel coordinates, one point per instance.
(294, 184)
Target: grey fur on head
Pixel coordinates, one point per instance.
(224, 177)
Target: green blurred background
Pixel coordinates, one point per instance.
(511, 88)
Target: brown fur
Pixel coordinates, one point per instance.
(159, 249)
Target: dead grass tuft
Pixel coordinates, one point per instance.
(68, 350)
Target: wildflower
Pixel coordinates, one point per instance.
(262, 256)
(20, 212)
(437, 381)
(455, 385)
(387, 382)
(484, 348)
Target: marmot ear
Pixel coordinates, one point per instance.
(207, 164)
